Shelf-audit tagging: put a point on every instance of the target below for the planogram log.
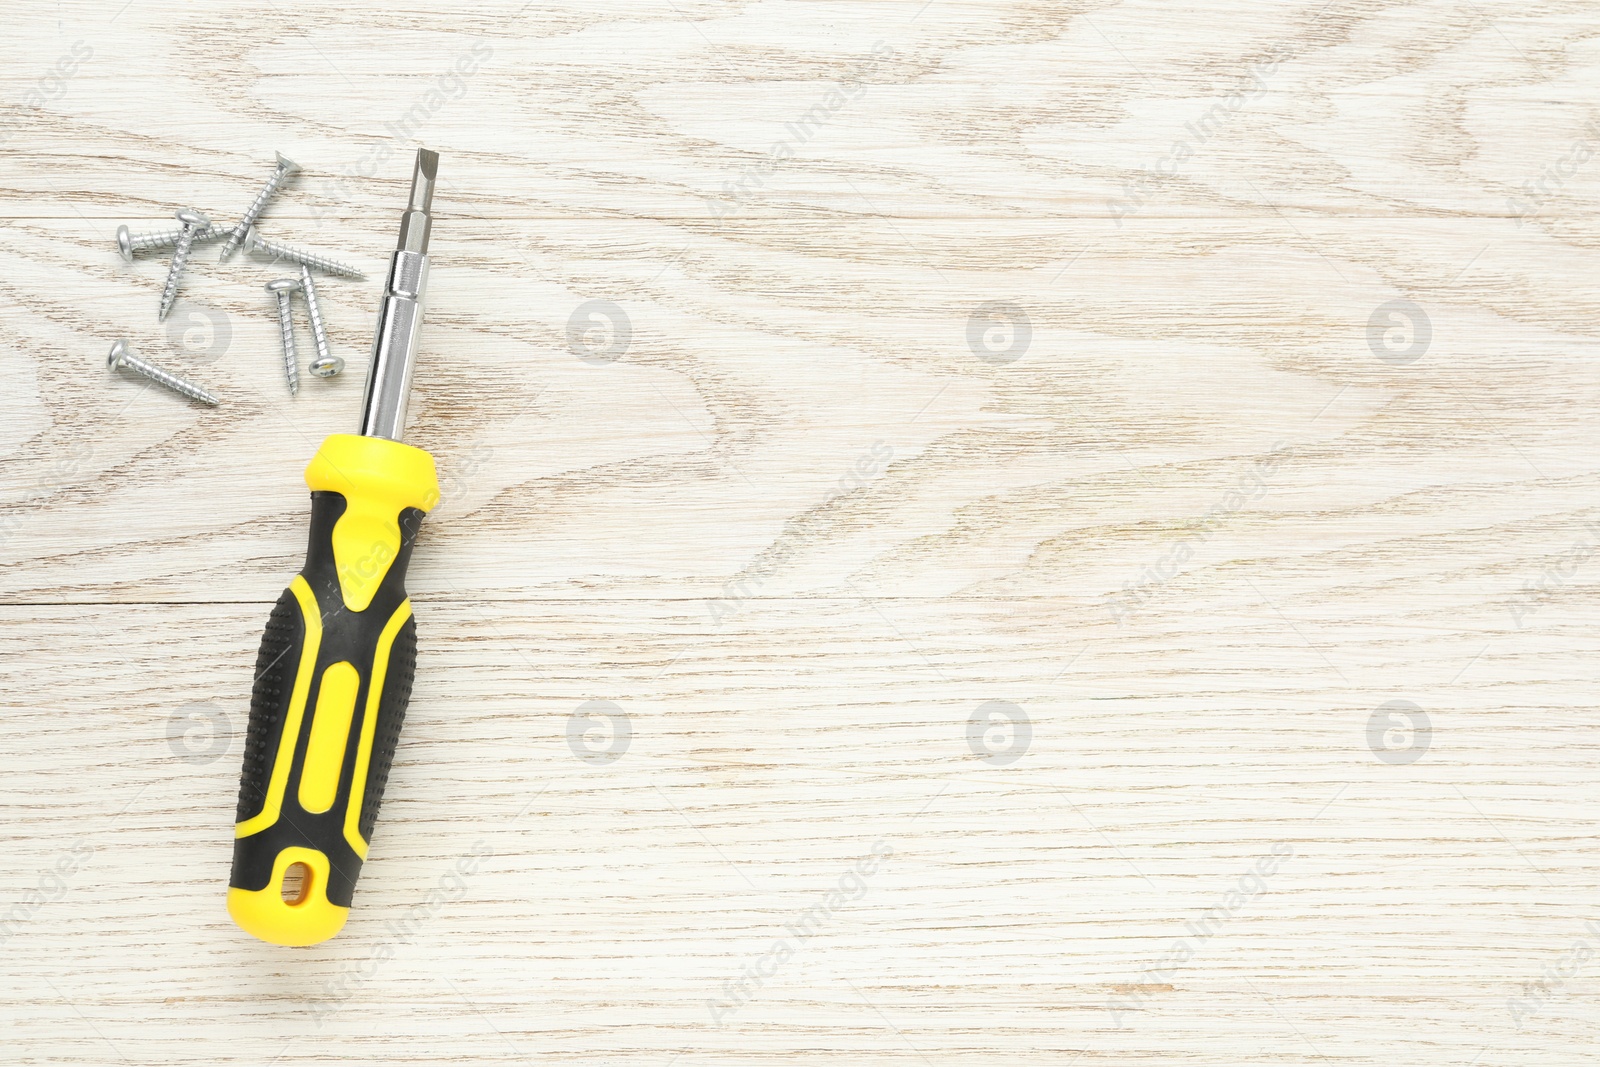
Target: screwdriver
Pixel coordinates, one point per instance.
(339, 654)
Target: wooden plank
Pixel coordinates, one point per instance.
(703, 110)
(1024, 906)
(818, 394)
(1087, 567)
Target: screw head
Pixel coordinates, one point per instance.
(286, 163)
(119, 354)
(125, 243)
(251, 239)
(283, 285)
(327, 366)
(190, 217)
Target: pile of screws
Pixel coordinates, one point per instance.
(196, 228)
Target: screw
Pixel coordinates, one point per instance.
(121, 357)
(129, 243)
(281, 289)
(327, 367)
(286, 167)
(254, 242)
(192, 221)
(308, 289)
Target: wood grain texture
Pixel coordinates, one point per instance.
(1209, 386)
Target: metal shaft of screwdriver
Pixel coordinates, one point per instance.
(394, 348)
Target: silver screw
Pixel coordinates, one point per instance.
(327, 367)
(192, 221)
(121, 357)
(259, 245)
(129, 243)
(282, 288)
(286, 167)
(308, 289)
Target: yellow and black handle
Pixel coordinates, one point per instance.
(332, 682)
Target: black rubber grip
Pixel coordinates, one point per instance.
(348, 637)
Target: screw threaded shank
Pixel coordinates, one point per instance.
(314, 312)
(155, 239)
(242, 227)
(171, 381)
(180, 259)
(261, 246)
(121, 357)
(291, 365)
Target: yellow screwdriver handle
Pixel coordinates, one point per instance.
(332, 682)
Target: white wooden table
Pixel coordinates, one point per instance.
(1084, 514)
